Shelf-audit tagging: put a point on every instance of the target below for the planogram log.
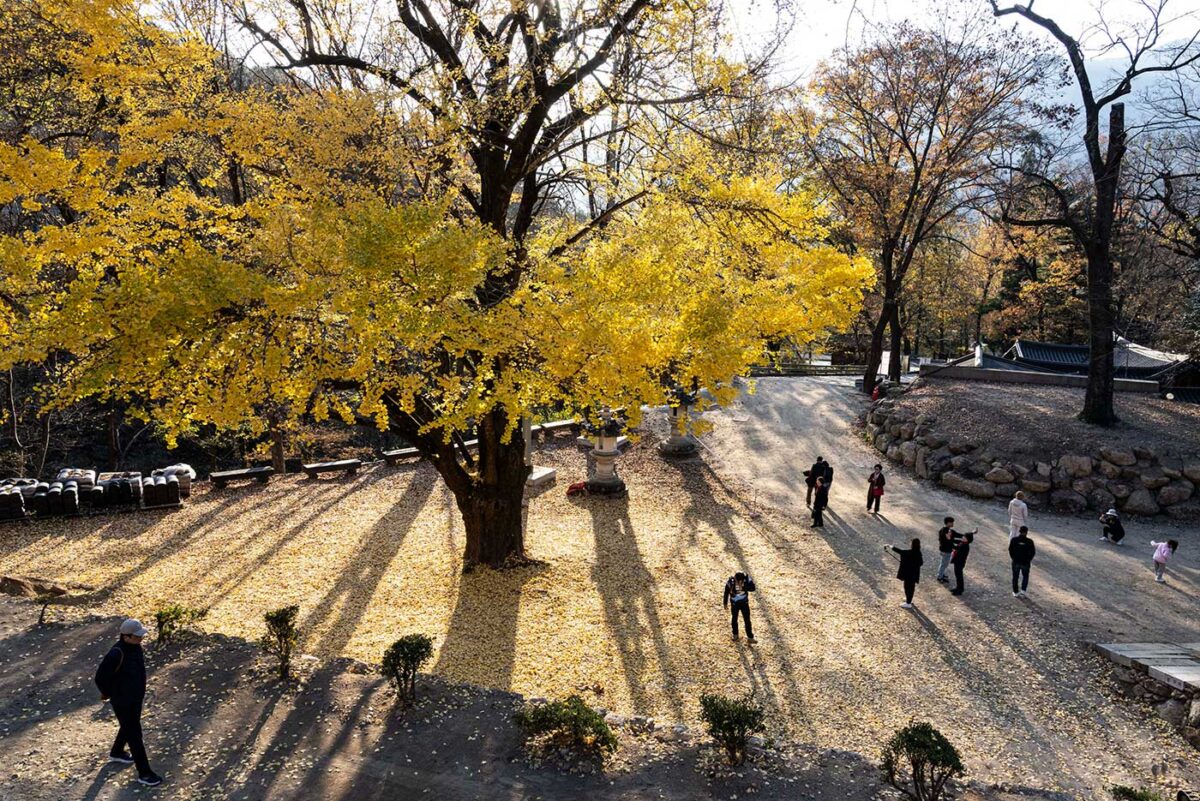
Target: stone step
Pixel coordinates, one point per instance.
(1181, 677)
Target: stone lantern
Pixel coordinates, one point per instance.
(681, 442)
(602, 474)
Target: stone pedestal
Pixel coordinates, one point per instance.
(681, 443)
(602, 474)
(538, 476)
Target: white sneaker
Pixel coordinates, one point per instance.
(1024, 594)
(1016, 595)
(1104, 539)
(906, 606)
(1161, 580)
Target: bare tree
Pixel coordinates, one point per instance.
(900, 130)
(1092, 220)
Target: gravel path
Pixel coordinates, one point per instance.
(625, 605)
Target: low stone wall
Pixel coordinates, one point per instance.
(964, 373)
(1180, 708)
(1133, 481)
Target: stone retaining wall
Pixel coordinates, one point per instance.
(1134, 481)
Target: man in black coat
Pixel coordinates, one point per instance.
(121, 679)
(737, 595)
(822, 501)
(811, 475)
(910, 569)
(959, 559)
(1022, 550)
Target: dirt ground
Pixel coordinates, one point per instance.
(626, 603)
(1038, 422)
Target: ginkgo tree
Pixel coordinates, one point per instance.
(490, 209)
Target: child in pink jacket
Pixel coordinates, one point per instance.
(1163, 551)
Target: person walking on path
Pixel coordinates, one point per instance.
(1114, 531)
(819, 504)
(1163, 551)
(828, 482)
(875, 484)
(947, 539)
(817, 471)
(1018, 514)
(737, 600)
(121, 679)
(1021, 550)
(910, 569)
(959, 559)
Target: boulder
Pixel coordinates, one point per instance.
(908, 452)
(1191, 472)
(1076, 466)
(1109, 470)
(1187, 511)
(893, 452)
(960, 462)
(29, 587)
(998, 475)
(1175, 492)
(1154, 478)
(894, 429)
(974, 487)
(1120, 490)
(1140, 502)
(1173, 710)
(1036, 483)
(882, 441)
(1144, 453)
(1018, 470)
(1043, 469)
(958, 445)
(1006, 490)
(1065, 500)
(1122, 457)
(933, 440)
(1193, 716)
(1101, 499)
(919, 465)
(907, 431)
(1061, 478)
(1082, 485)
(924, 418)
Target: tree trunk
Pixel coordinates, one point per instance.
(1098, 400)
(894, 345)
(278, 460)
(491, 502)
(114, 440)
(875, 353)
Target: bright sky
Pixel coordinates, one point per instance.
(822, 25)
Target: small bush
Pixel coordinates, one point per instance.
(171, 620)
(931, 759)
(731, 721)
(281, 637)
(567, 723)
(402, 661)
(1124, 793)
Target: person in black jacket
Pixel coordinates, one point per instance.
(1114, 530)
(121, 679)
(822, 501)
(875, 483)
(810, 478)
(947, 539)
(959, 559)
(737, 598)
(910, 569)
(1022, 550)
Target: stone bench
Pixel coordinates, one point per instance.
(347, 466)
(394, 457)
(548, 430)
(260, 474)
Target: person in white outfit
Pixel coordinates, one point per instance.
(1018, 515)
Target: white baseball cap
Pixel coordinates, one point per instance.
(134, 628)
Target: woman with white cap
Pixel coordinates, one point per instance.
(121, 679)
(1114, 532)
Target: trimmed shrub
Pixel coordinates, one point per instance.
(731, 721)
(931, 760)
(401, 662)
(173, 619)
(568, 723)
(1123, 793)
(282, 636)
